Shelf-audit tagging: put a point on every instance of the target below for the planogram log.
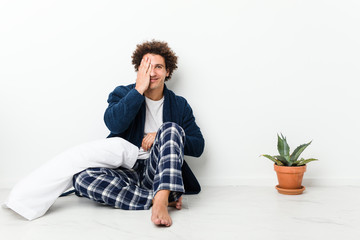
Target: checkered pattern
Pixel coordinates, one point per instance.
(134, 189)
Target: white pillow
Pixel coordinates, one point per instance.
(35, 194)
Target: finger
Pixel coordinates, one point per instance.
(143, 145)
(144, 62)
(148, 69)
(146, 143)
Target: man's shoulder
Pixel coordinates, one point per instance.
(122, 91)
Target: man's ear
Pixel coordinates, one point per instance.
(167, 72)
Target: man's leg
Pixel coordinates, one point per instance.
(118, 188)
(163, 172)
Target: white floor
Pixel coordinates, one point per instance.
(242, 212)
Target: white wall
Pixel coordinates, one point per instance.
(250, 69)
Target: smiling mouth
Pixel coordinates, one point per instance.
(153, 79)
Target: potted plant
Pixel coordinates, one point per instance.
(289, 169)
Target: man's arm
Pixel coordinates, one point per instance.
(122, 109)
(194, 143)
(124, 104)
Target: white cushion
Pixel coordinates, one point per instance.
(35, 194)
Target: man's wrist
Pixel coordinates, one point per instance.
(141, 91)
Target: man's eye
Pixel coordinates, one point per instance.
(159, 66)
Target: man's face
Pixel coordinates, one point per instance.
(158, 72)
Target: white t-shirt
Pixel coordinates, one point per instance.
(153, 121)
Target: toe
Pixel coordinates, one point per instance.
(157, 221)
(166, 222)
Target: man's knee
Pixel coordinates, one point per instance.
(172, 128)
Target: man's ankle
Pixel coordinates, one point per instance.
(162, 196)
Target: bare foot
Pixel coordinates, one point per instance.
(160, 215)
(177, 204)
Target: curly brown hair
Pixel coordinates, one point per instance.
(159, 48)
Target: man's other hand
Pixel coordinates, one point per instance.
(148, 141)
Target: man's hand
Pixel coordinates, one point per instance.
(143, 75)
(148, 141)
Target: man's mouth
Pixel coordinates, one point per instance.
(153, 79)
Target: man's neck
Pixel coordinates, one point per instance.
(155, 94)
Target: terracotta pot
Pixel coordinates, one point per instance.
(290, 177)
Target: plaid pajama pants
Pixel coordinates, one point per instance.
(134, 189)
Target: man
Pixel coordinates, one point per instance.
(162, 125)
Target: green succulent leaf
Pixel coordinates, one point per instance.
(277, 162)
(297, 163)
(283, 147)
(281, 159)
(305, 161)
(295, 155)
